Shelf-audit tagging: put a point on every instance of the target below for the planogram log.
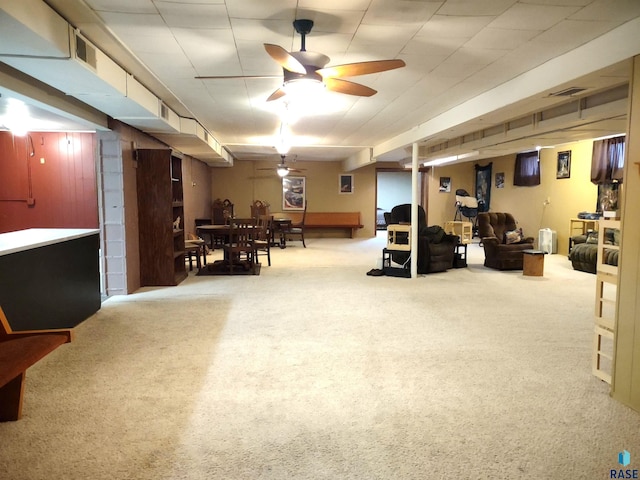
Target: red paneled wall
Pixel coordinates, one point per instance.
(48, 180)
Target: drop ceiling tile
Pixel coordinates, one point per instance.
(618, 11)
(124, 24)
(571, 34)
(399, 12)
(332, 21)
(422, 63)
(123, 6)
(278, 32)
(532, 17)
(501, 38)
(193, 15)
(205, 45)
(475, 7)
(259, 9)
(385, 35)
(155, 41)
(168, 65)
(321, 5)
(472, 55)
(575, 3)
(434, 46)
(442, 26)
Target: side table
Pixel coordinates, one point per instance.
(533, 263)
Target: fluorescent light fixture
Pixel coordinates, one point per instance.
(450, 159)
(17, 117)
(610, 136)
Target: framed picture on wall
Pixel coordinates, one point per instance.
(500, 180)
(345, 183)
(564, 164)
(293, 193)
(483, 186)
(445, 184)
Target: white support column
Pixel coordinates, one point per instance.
(414, 211)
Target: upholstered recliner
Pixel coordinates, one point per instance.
(495, 230)
(436, 249)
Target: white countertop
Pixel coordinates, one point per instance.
(22, 240)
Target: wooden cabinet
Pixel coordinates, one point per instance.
(160, 217)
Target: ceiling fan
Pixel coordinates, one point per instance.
(309, 68)
(282, 168)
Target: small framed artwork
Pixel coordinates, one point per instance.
(445, 184)
(293, 193)
(345, 183)
(564, 164)
(500, 180)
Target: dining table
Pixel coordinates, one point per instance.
(280, 226)
(220, 231)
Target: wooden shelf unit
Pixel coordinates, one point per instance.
(580, 226)
(605, 308)
(160, 204)
(464, 230)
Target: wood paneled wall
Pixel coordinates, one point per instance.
(48, 180)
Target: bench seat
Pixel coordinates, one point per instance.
(349, 221)
(18, 352)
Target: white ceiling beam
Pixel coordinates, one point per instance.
(615, 46)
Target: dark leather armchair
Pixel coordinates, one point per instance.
(492, 230)
(436, 249)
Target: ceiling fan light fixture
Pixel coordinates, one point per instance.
(282, 171)
(303, 88)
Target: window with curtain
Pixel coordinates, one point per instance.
(607, 160)
(527, 171)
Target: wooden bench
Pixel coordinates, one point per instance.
(18, 351)
(349, 221)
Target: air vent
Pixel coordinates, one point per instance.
(567, 92)
(85, 52)
(164, 111)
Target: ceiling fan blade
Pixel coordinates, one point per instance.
(350, 88)
(284, 58)
(227, 77)
(361, 68)
(279, 93)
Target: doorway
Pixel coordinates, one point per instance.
(393, 187)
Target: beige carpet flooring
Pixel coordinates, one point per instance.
(313, 370)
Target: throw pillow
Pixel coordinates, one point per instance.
(592, 237)
(513, 236)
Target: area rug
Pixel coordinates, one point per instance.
(220, 267)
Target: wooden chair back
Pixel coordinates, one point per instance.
(222, 211)
(258, 208)
(241, 234)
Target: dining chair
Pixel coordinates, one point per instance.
(239, 250)
(298, 227)
(262, 237)
(222, 212)
(258, 207)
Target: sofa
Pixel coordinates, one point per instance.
(584, 252)
(502, 240)
(436, 248)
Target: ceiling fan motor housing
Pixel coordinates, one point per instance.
(311, 61)
(303, 26)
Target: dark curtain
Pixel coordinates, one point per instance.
(483, 187)
(607, 160)
(527, 171)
